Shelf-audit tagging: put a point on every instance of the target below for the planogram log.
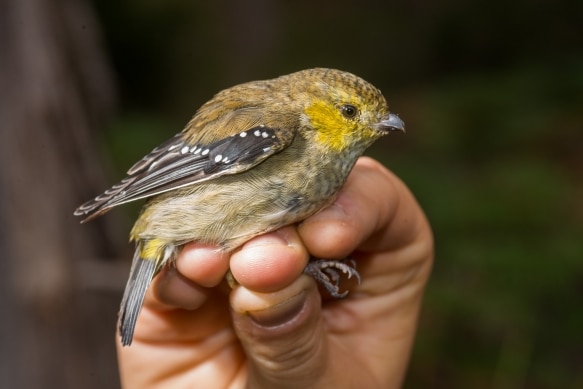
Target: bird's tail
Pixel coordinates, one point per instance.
(149, 257)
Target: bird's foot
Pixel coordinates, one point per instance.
(328, 273)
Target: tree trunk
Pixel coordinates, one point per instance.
(58, 299)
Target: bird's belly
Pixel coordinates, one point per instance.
(223, 216)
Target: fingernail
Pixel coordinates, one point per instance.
(270, 239)
(336, 211)
(281, 313)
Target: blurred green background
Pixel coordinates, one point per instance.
(492, 94)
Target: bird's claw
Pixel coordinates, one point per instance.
(327, 272)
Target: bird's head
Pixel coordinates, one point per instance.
(342, 109)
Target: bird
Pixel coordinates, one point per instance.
(256, 157)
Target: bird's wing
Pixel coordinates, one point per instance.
(178, 163)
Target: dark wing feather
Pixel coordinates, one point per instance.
(176, 164)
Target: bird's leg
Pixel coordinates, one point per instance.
(327, 272)
(231, 281)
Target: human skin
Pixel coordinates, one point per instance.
(274, 330)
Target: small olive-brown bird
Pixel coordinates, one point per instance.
(257, 157)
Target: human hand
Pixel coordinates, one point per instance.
(274, 330)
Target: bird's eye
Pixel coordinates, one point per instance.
(349, 111)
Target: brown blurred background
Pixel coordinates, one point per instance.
(492, 94)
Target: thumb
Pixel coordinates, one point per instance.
(282, 334)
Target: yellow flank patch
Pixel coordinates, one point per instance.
(152, 249)
(332, 129)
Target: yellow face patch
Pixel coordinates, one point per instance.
(333, 129)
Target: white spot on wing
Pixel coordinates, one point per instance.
(153, 165)
(257, 133)
(184, 150)
(218, 158)
(243, 134)
(205, 152)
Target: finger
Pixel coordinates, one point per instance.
(270, 262)
(376, 220)
(173, 348)
(374, 211)
(170, 290)
(282, 334)
(184, 284)
(203, 265)
(276, 309)
(182, 326)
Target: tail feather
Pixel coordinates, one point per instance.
(141, 275)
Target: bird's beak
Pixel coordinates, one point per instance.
(390, 123)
